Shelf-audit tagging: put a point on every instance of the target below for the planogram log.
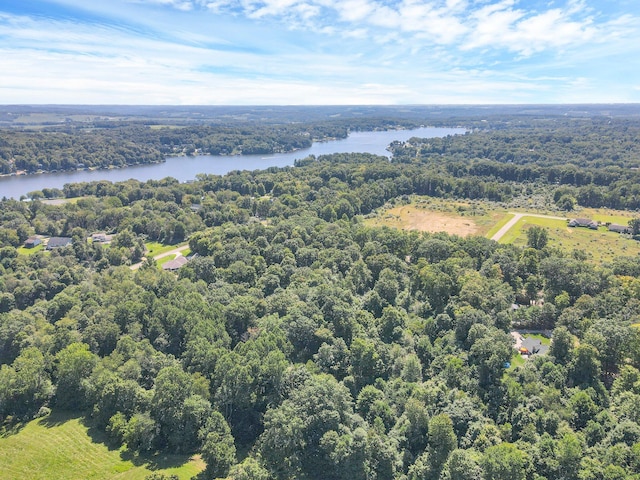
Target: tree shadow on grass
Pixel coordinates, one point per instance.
(151, 461)
(58, 417)
(98, 435)
(11, 427)
(156, 461)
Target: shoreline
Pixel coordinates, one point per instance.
(22, 173)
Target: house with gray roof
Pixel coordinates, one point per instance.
(58, 242)
(175, 264)
(614, 227)
(32, 242)
(583, 222)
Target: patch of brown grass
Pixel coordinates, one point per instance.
(410, 217)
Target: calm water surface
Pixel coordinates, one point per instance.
(186, 168)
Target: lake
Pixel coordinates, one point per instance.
(186, 168)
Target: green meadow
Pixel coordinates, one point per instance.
(62, 447)
(599, 245)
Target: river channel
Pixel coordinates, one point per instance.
(186, 168)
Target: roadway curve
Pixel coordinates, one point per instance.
(516, 217)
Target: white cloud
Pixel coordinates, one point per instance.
(501, 26)
(184, 5)
(319, 51)
(504, 25)
(273, 7)
(354, 10)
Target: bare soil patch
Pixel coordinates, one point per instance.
(407, 217)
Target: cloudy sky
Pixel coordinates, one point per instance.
(256, 52)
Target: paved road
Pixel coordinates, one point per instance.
(516, 217)
(175, 251)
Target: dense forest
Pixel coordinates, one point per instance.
(300, 343)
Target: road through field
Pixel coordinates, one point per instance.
(516, 217)
(175, 251)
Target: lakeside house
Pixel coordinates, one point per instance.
(583, 222)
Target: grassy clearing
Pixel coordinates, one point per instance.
(485, 218)
(505, 219)
(516, 361)
(30, 251)
(538, 336)
(605, 215)
(437, 215)
(62, 447)
(168, 127)
(518, 233)
(599, 245)
(157, 248)
(62, 201)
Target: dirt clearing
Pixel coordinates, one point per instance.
(408, 217)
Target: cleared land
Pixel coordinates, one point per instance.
(61, 447)
(515, 219)
(434, 215)
(599, 245)
(163, 253)
(30, 251)
(497, 223)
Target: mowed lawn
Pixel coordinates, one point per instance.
(62, 447)
(157, 248)
(30, 251)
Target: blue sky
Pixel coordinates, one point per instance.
(319, 52)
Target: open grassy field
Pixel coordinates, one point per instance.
(62, 201)
(501, 223)
(518, 233)
(437, 215)
(605, 215)
(169, 127)
(62, 447)
(599, 245)
(486, 219)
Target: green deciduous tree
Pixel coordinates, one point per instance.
(504, 462)
(25, 385)
(218, 450)
(74, 364)
(537, 237)
(462, 465)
